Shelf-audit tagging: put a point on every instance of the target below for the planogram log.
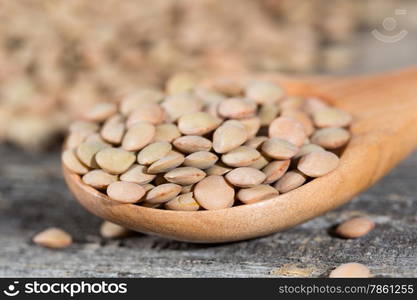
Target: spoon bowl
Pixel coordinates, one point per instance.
(384, 131)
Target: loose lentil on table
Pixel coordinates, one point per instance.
(54, 238)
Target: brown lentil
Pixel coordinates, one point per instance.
(185, 175)
(267, 113)
(245, 177)
(166, 133)
(308, 148)
(86, 152)
(255, 142)
(138, 136)
(229, 136)
(218, 169)
(260, 163)
(331, 138)
(143, 96)
(115, 160)
(113, 130)
(181, 82)
(125, 192)
(252, 126)
(150, 112)
(256, 194)
(198, 123)
(318, 163)
(242, 156)
(213, 192)
(313, 105)
(187, 189)
(110, 230)
(236, 108)
(279, 149)
(350, 270)
(153, 152)
(101, 112)
(167, 163)
(201, 159)
(74, 139)
(71, 161)
(137, 174)
(264, 92)
(191, 144)
(288, 129)
(331, 117)
(301, 117)
(290, 181)
(183, 202)
(99, 179)
(275, 170)
(178, 105)
(292, 103)
(163, 193)
(355, 227)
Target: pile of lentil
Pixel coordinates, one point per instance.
(208, 146)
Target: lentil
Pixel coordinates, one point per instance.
(279, 149)
(115, 160)
(350, 270)
(137, 174)
(163, 193)
(256, 194)
(138, 136)
(183, 202)
(99, 179)
(213, 192)
(154, 152)
(331, 138)
(290, 181)
(245, 177)
(125, 192)
(113, 231)
(355, 227)
(318, 163)
(54, 238)
(288, 129)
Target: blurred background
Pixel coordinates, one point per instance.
(57, 58)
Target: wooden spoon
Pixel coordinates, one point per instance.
(384, 132)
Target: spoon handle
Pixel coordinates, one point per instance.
(385, 115)
(365, 94)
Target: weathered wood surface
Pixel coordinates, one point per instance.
(33, 196)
